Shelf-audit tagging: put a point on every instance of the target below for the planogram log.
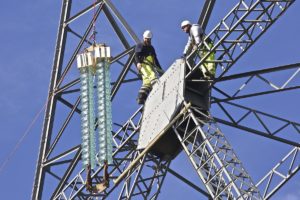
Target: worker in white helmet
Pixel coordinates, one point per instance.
(148, 66)
(196, 35)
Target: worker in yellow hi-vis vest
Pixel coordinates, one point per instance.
(148, 66)
(196, 34)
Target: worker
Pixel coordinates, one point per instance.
(196, 34)
(147, 65)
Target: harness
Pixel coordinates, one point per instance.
(149, 60)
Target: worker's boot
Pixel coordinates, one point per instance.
(143, 94)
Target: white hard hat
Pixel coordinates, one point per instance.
(147, 34)
(185, 23)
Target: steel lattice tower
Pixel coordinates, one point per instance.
(59, 173)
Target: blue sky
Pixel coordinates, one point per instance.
(28, 33)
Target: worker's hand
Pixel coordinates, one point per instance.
(208, 76)
(139, 66)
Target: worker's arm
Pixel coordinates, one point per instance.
(188, 46)
(159, 70)
(138, 55)
(155, 58)
(156, 62)
(196, 32)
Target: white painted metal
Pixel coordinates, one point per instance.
(93, 55)
(162, 103)
(84, 60)
(102, 51)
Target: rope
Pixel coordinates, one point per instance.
(24, 135)
(93, 35)
(92, 38)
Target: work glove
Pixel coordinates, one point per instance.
(139, 66)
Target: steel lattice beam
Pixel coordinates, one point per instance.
(56, 92)
(52, 100)
(213, 158)
(235, 32)
(80, 45)
(251, 110)
(259, 77)
(125, 141)
(206, 13)
(238, 31)
(116, 85)
(261, 126)
(137, 185)
(280, 173)
(189, 183)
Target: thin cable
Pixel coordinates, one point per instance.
(92, 37)
(94, 32)
(12, 153)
